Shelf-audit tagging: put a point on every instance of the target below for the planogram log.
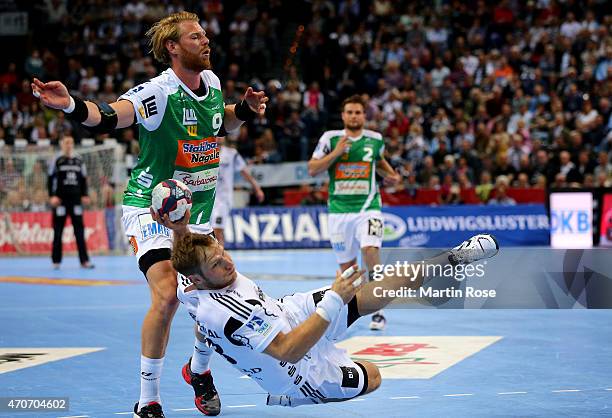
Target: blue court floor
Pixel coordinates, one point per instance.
(545, 363)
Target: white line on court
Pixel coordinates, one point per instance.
(510, 393)
(452, 395)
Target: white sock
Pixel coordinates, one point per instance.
(201, 357)
(150, 374)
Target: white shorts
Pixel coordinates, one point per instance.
(333, 376)
(349, 232)
(145, 234)
(220, 214)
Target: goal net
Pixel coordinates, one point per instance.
(25, 214)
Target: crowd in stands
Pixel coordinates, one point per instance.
(480, 95)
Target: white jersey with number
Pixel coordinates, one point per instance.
(231, 162)
(240, 321)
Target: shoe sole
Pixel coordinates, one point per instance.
(187, 378)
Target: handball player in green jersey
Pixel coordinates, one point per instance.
(179, 115)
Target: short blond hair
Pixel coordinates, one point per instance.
(189, 251)
(167, 29)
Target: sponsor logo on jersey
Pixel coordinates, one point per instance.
(200, 181)
(353, 170)
(192, 130)
(134, 91)
(145, 179)
(191, 154)
(258, 325)
(150, 228)
(190, 121)
(352, 187)
(375, 227)
(148, 108)
(189, 117)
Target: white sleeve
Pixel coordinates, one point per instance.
(323, 147)
(187, 295)
(239, 163)
(149, 101)
(260, 329)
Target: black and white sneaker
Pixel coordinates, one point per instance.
(378, 322)
(206, 397)
(478, 247)
(151, 410)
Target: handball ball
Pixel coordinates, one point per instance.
(171, 197)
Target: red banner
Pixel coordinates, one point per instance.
(32, 233)
(605, 239)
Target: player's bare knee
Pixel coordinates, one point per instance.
(374, 378)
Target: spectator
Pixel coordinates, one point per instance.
(415, 146)
(59, 127)
(427, 171)
(33, 65)
(522, 181)
(6, 97)
(604, 166)
(499, 194)
(483, 190)
(504, 168)
(568, 168)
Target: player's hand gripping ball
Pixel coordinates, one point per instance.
(171, 197)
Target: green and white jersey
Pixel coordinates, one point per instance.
(177, 137)
(352, 177)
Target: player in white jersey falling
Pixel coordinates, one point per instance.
(230, 162)
(287, 345)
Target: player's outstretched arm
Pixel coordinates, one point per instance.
(291, 347)
(101, 118)
(253, 104)
(318, 165)
(259, 194)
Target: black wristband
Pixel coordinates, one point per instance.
(80, 112)
(244, 112)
